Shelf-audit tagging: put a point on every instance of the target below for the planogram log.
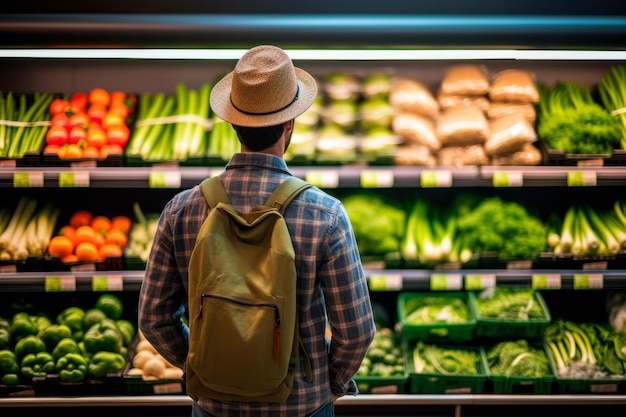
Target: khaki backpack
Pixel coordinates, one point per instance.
(244, 340)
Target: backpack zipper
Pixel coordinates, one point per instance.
(247, 304)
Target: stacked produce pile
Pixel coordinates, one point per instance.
(90, 125)
(171, 127)
(76, 345)
(24, 120)
(26, 229)
(474, 120)
(90, 238)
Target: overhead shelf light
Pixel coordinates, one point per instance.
(323, 54)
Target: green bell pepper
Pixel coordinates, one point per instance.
(102, 363)
(65, 346)
(71, 367)
(29, 344)
(72, 317)
(5, 339)
(22, 325)
(42, 323)
(104, 336)
(8, 362)
(92, 316)
(111, 305)
(53, 334)
(5, 324)
(37, 365)
(10, 379)
(127, 329)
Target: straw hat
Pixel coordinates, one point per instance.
(264, 89)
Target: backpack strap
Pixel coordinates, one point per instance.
(287, 191)
(213, 191)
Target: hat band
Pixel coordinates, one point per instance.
(269, 112)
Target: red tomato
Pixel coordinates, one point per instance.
(79, 119)
(118, 135)
(79, 101)
(96, 112)
(59, 119)
(58, 105)
(57, 135)
(77, 134)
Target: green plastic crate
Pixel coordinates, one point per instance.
(606, 385)
(436, 332)
(500, 328)
(437, 383)
(503, 384)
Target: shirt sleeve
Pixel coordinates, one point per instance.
(348, 302)
(162, 297)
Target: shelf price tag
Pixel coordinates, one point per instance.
(165, 179)
(435, 178)
(323, 178)
(442, 282)
(588, 281)
(60, 283)
(74, 179)
(507, 179)
(107, 283)
(28, 179)
(582, 178)
(479, 281)
(385, 282)
(546, 281)
(376, 178)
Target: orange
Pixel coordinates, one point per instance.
(99, 240)
(85, 234)
(116, 237)
(68, 231)
(112, 119)
(60, 246)
(101, 223)
(87, 251)
(81, 218)
(110, 250)
(122, 223)
(69, 259)
(70, 151)
(99, 96)
(96, 136)
(111, 149)
(91, 152)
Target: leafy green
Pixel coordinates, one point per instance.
(509, 303)
(517, 358)
(428, 359)
(571, 121)
(378, 225)
(435, 310)
(505, 227)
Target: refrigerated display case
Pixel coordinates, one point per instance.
(137, 53)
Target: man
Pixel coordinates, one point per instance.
(261, 98)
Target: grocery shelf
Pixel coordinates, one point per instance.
(345, 176)
(362, 405)
(379, 279)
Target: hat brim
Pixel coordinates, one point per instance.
(224, 109)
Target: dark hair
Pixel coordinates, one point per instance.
(259, 138)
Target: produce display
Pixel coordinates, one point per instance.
(586, 350)
(171, 128)
(90, 237)
(90, 125)
(517, 358)
(509, 304)
(434, 359)
(75, 345)
(23, 123)
(26, 229)
(149, 364)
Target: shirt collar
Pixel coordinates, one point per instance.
(258, 160)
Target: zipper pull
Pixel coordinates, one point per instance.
(277, 342)
(199, 315)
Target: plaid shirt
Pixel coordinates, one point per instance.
(331, 285)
